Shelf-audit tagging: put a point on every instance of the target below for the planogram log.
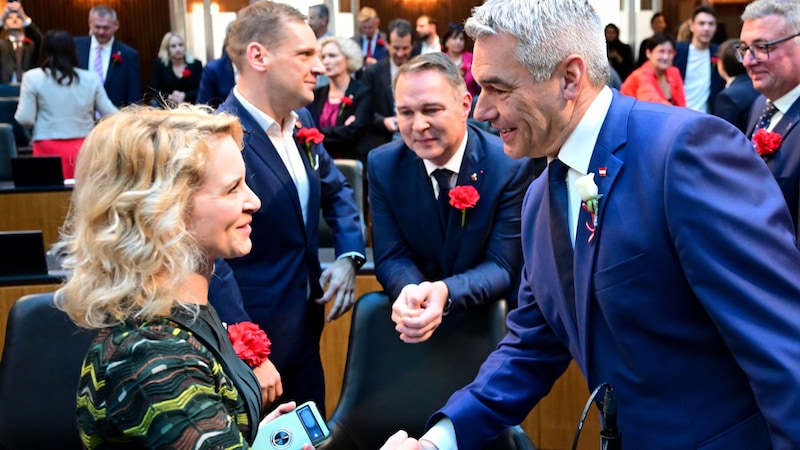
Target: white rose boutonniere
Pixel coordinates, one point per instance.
(590, 197)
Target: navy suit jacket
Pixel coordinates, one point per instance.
(380, 51)
(480, 261)
(378, 78)
(785, 163)
(123, 82)
(734, 102)
(682, 58)
(216, 82)
(680, 304)
(273, 279)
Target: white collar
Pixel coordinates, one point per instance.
(577, 149)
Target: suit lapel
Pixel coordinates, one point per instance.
(607, 168)
(415, 191)
(260, 151)
(787, 123)
(470, 165)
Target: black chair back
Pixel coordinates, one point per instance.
(39, 376)
(8, 150)
(390, 385)
(8, 107)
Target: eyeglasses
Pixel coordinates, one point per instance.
(760, 51)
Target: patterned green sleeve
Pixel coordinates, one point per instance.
(163, 389)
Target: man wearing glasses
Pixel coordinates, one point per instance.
(770, 51)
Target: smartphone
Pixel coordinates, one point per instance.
(303, 425)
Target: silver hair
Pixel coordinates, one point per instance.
(547, 31)
(788, 9)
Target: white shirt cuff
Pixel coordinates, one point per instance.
(442, 435)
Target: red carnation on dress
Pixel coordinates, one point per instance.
(250, 343)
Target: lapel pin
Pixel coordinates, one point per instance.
(602, 171)
(474, 177)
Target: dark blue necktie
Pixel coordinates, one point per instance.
(559, 231)
(443, 177)
(766, 115)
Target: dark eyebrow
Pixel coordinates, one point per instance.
(496, 81)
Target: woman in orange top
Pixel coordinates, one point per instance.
(657, 80)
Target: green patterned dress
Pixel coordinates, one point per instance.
(169, 383)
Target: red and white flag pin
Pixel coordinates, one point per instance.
(602, 171)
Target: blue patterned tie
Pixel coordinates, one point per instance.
(766, 115)
(559, 231)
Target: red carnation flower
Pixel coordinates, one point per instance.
(345, 103)
(463, 197)
(26, 41)
(308, 137)
(250, 343)
(381, 42)
(117, 58)
(766, 142)
(186, 73)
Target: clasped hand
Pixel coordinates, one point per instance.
(341, 279)
(418, 310)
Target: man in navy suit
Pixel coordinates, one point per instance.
(771, 54)
(218, 77)
(116, 63)
(435, 261)
(369, 36)
(696, 61)
(677, 283)
(279, 284)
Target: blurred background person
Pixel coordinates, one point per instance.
(318, 17)
(620, 55)
(162, 371)
(175, 76)
(218, 78)
(428, 37)
(369, 37)
(657, 80)
(734, 101)
(342, 108)
(116, 63)
(658, 23)
(59, 101)
(455, 47)
(19, 48)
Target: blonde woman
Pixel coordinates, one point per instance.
(175, 77)
(159, 196)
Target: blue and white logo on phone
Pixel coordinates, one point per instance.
(281, 438)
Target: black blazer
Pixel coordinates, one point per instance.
(30, 54)
(734, 102)
(163, 81)
(340, 140)
(378, 79)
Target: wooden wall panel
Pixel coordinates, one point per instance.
(142, 23)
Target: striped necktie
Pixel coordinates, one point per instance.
(98, 64)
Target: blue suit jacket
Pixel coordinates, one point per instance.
(682, 58)
(123, 82)
(734, 102)
(680, 304)
(273, 280)
(785, 163)
(216, 82)
(480, 261)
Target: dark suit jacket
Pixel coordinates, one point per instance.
(378, 78)
(380, 52)
(30, 54)
(733, 103)
(163, 81)
(272, 282)
(681, 59)
(680, 304)
(785, 163)
(480, 261)
(123, 81)
(341, 141)
(217, 81)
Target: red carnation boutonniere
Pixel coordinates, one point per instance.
(186, 73)
(714, 61)
(26, 41)
(463, 197)
(250, 343)
(766, 142)
(381, 42)
(116, 57)
(346, 103)
(309, 137)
